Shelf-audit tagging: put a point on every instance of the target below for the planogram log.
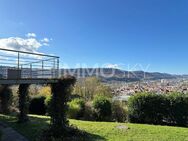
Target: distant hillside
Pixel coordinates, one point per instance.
(109, 74)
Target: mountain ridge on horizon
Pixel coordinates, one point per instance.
(115, 74)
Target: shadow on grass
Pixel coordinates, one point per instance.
(94, 137)
(88, 136)
(34, 127)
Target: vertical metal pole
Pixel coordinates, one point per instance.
(42, 67)
(57, 68)
(30, 70)
(54, 69)
(18, 60)
(21, 70)
(18, 71)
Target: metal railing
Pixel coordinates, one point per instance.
(27, 65)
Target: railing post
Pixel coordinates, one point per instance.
(18, 60)
(21, 71)
(18, 70)
(57, 68)
(54, 69)
(30, 70)
(42, 67)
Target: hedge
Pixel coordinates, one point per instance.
(178, 109)
(158, 109)
(37, 105)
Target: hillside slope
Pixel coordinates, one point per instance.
(109, 74)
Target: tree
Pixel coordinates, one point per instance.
(45, 91)
(60, 95)
(5, 97)
(90, 87)
(23, 94)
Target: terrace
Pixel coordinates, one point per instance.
(20, 67)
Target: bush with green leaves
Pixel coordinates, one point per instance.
(37, 105)
(88, 111)
(76, 108)
(178, 109)
(119, 112)
(102, 108)
(48, 104)
(147, 108)
(171, 109)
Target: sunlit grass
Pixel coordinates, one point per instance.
(104, 130)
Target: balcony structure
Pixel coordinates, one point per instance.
(20, 67)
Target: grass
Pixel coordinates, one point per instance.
(106, 131)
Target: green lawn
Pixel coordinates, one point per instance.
(104, 130)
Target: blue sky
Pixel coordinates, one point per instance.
(118, 32)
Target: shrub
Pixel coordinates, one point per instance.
(147, 108)
(76, 108)
(178, 110)
(37, 105)
(159, 109)
(48, 104)
(119, 112)
(89, 112)
(102, 107)
(5, 98)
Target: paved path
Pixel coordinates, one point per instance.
(10, 134)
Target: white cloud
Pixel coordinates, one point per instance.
(114, 66)
(31, 35)
(45, 44)
(20, 44)
(45, 40)
(29, 44)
